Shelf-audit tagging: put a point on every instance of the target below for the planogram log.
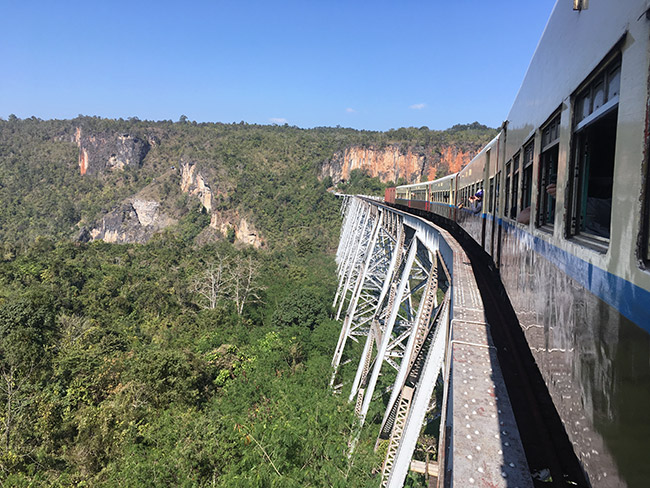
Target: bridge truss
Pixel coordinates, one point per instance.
(398, 296)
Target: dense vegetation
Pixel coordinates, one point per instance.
(185, 361)
(116, 373)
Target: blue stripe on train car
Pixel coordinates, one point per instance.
(630, 300)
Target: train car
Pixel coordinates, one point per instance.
(442, 196)
(414, 196)
(389, 195)
(471, 181)
(565, 217)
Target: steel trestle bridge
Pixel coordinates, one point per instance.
(407, 293)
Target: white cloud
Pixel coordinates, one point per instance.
(277, 120)
(350, 110)
(417, 106)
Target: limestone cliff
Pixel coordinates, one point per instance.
(135, 220)
(245, 232)
(194, 183)
(392, 162)
(103, 152)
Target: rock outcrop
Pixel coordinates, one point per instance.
(194, 183)
(393, 162)
(135, 221)
(103, 152)
(244, 232)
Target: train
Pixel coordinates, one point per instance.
(559, 201)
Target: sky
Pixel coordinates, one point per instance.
(371, 65)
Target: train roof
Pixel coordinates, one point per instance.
(444, 178)
(482, 151)
(413, 185)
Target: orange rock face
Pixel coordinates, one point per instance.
(388, 164)
(83, 161)
(455, 159)
(393, 162)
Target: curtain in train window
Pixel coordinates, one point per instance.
(592, 181)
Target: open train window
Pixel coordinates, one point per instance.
(491, 200)
(515, 186)
(507, 189)
(527, 175)
(548, 173)
(497, 186)
(594, 144)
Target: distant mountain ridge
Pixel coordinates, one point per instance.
(126, 180)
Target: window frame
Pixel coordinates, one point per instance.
(514, 201)
(528, 161)
(544, 177)
(580, 124)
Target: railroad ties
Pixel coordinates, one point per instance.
(408, 294)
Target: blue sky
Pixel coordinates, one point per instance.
(364, 64)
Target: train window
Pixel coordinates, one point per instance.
(548, 173)
(527, 175)
(592, 172)
(497, 184)
(515, 186)
(508, 182)
(491, 200)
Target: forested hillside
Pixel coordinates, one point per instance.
(195, 349)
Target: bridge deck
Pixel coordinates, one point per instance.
(483, 444)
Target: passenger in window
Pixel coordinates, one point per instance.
(477, 202)
(524, 215)
(551, 189)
